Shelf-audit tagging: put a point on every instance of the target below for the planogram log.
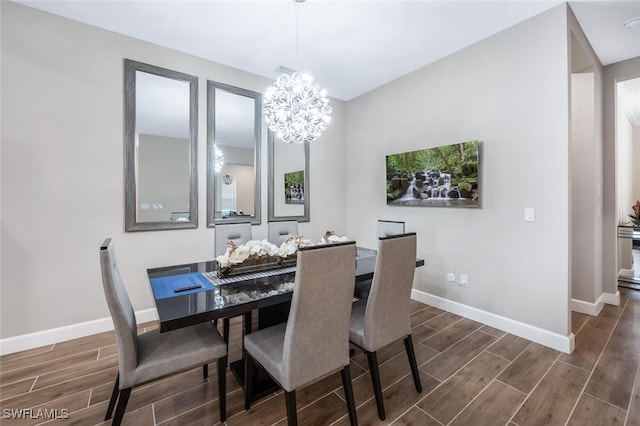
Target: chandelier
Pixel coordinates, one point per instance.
(218, 159)
(296, 109)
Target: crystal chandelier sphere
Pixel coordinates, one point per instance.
(218, 159)
(296, 109)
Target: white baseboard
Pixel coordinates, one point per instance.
(535, 334)
(594, 308)
(611, 298)
(61, 334)
(526, 331)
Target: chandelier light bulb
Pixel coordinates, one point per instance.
(296, 109)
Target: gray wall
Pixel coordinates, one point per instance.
(63, 178)
(163, 177)
(62, 152)
(585, 166)
(510, 91)
(611, 75)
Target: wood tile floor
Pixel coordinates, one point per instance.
(471, 375)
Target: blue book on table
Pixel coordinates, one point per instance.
(179, 285)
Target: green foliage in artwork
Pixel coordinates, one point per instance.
(292, 179)
(396, 187)
(464, 186)
(458, 160)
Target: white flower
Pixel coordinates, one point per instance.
(336, 239)
(260, 248)
(239, 255)
(273, 250)
(223, 260)
(287, 249)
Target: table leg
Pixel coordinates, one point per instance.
(262, 385)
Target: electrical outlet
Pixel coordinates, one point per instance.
(464, 280)
(157, 206)
(529, 214)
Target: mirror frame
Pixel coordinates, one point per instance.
(271, 178)
(131, 223)
(211, 138)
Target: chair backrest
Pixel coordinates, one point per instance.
(122, 314)
(279, 231)
(239, 233)
(386, 316)
(316, 340)
(390, 227)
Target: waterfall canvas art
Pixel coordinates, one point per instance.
(294, 187)
(443, 176)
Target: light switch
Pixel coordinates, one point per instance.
(144, 206)
(529, 214)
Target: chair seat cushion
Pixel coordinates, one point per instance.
(161, 354)
(356, 326)
(266, 347)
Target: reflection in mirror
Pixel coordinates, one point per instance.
(234, 128)
(288, 180)
(160, 138)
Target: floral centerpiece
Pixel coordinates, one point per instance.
(288, 251)
(635, 216)
(258, 255)
(330, 237)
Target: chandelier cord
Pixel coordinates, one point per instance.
(297, 22)
(295, 108)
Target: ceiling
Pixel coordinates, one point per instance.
(351, 47)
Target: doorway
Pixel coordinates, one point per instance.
(627, 140)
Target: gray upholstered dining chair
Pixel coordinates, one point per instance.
(385, 229)
(384, 317)
(239, 233)
(280, 230)
(153, 355)
(314, 342)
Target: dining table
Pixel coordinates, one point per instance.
(188, 294)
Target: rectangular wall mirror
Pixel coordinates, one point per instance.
(288, 177)
(161, 124)
(233, 154)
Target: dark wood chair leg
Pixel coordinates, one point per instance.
(292, 414)
(114, 398)
(248, 380)
(348, 393)
(408, 345)
(122, 406)
(222, 387)
(375, 380)
(205, 371)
